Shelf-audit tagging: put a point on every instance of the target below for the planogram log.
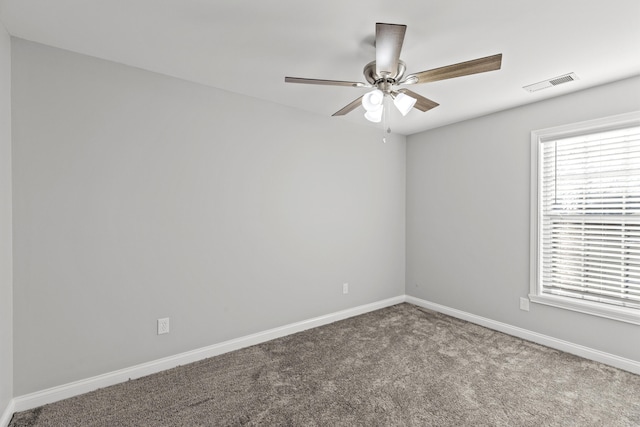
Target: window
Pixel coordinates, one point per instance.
(585, 222)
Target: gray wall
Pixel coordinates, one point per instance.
(6, 313)
(139, 196)
(468, 216)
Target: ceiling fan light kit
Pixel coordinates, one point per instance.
(386, 73)
(373, 104)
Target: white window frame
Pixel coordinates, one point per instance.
(624, 314)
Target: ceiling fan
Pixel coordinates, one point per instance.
(386, 76)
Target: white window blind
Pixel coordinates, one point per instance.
(589, 217)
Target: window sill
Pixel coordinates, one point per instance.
(622, 314)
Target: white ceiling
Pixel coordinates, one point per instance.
(248, 47)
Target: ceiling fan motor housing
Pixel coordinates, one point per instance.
(383, 82)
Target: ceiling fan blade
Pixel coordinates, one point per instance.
(349, 107)
(480, 65)
(324, 82)
(422, 103)
(389, 38)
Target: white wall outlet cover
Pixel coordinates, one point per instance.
(524, 304)
(345, 288)
(163, 326)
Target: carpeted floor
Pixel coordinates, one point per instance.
(399, 366)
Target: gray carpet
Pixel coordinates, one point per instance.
(399, 366)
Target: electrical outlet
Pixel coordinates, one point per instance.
(524, 304)
(163, 326)
(345, 288)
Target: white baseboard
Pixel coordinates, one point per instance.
(566, 346)
(54, 394)
(5, 417)
(32, 400)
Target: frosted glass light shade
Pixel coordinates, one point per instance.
(372, 101)
(404, 103)
(374, 116)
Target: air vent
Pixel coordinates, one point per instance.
(555, 81)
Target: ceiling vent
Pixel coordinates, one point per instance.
(555, 81)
